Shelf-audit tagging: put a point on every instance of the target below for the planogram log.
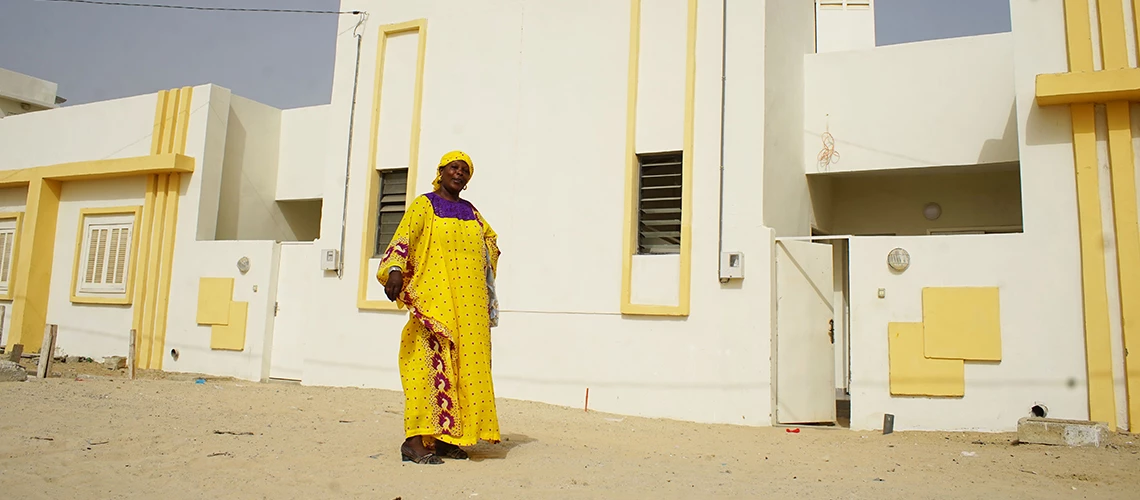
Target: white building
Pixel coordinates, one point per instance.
(788, 143)
(20, 93)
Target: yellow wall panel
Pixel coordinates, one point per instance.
(962, 323)
(231, 337)
(913, 374)
(214, 296)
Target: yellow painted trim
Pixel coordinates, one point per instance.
(629, 231)
(629, 235)
(143, 277)
(1124, 210)
(162, 304)
(160, 217)
(128, 296)
(35, 252)
(154, 261)
(1088, 87)
(12, 266)
(373, 181)
(1098, 350)
(1078, 35)
(159, 122)
(1136, 19)
(99, 169)
(182, 124)
(1113, 45)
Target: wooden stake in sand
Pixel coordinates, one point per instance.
(586, 407)
(47, 351)
(131, 355)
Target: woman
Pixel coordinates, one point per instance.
(441, 265)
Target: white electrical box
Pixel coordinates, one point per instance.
(731, 266)
(330, 260)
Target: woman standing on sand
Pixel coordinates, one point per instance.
(441, 265)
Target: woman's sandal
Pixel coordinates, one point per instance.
(409, 455)
(448, 450)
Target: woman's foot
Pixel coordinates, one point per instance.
(448, 450)
(413, 450)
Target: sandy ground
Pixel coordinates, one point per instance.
(163, 436)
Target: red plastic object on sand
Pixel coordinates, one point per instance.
(793, 431)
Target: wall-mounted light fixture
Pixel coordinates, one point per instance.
(898, 259)
(932, 211)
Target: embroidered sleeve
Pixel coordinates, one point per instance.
(492, 240)
(399, 250)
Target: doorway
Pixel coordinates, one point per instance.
(811, 348)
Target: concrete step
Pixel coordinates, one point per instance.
(1057, 432)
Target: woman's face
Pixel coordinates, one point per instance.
(454, 176)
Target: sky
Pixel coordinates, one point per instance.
(286, 60)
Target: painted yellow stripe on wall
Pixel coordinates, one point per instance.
(1127, 246)
(170, 118)
(372, 183)
(629, 233)
(33, 276)
(1098, 350)
(143, 267)
(162, 304)
(146, 334)
(182, 123)
(159, 123)
(1078, 34)
(1113, 44)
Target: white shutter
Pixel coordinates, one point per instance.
(7, 252)
(106, 253)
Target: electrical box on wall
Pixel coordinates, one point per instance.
(731, 266)
(330, 260)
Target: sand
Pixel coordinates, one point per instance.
(163, 436)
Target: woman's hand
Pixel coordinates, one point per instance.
(394, 284)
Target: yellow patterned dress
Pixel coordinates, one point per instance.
(448, 254)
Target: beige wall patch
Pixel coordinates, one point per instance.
(962, 323)
(214, 297)
(912, 374)
(231, 337)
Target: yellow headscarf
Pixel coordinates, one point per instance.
(448, 158)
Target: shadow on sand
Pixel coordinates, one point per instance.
(488, 451)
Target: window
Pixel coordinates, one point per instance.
(105, 254)
(659, 203)
(7, 252)
(391, 205)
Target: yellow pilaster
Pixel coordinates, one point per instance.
(1098, 347)
(160, 217)
(1080, 88)
(1127, 246)
(33, 275)
(1114, 46)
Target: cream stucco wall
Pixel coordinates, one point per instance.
(787, 205)
(195, 259)
(542, 112)
(1038, 273)
(303, 151)
(942, 102)
(86, 329)
(78, 133)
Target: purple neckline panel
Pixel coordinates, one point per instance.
(447, 209)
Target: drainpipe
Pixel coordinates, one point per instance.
(348, 153)
(723, 87)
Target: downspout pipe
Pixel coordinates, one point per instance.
(723, 101)
(348, 153)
